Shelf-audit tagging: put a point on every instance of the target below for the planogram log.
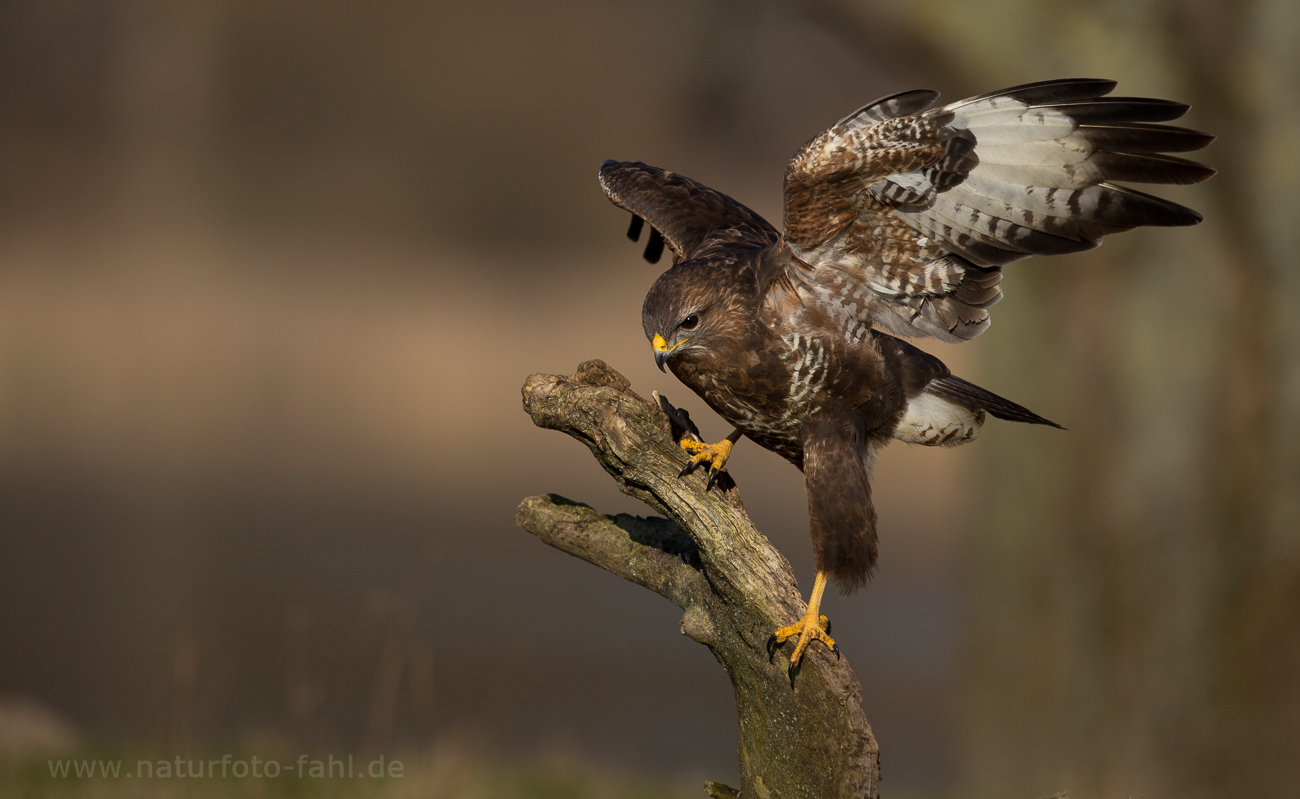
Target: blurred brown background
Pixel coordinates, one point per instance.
(272, 274)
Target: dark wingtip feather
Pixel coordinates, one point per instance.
(1043, 92)
(1144, 137)
(1121, 110)
(606, 168)
(1136, 208)
(654, 246)
(1151, 168)
(634, 229)
(894, 105)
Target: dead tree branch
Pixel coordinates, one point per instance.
(735, 588)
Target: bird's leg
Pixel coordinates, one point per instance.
(715, 454)
(812, 627)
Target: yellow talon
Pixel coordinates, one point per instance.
(715, 455)
(812, 627)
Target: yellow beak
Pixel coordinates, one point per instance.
(661, 351)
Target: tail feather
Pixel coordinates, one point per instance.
(955, 388)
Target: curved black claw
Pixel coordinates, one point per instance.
(771, 647)
(688, 468)
(713, 477)
(836, 649)
(792, 670)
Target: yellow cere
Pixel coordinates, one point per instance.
(659, 344)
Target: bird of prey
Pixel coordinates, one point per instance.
(898, 220)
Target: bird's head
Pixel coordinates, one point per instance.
(689, 311)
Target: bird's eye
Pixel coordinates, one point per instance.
(690, 322)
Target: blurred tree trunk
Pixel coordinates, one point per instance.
(1136, 582)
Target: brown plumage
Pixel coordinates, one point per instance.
(898, 220)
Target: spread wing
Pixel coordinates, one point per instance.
(903, 215)
(690, 217)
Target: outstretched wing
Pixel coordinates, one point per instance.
(690, 217)
(905, 215)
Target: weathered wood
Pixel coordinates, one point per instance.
(735, 588)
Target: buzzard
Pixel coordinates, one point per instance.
(898, 221)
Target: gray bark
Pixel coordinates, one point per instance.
(735, 589)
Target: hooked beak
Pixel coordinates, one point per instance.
(661, 351)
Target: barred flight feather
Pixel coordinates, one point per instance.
(1030, 170)
(684, 214)
(1118, 110)
(890, 107)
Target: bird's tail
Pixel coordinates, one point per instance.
(954, 388)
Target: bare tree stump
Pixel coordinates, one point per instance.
(735, 588)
